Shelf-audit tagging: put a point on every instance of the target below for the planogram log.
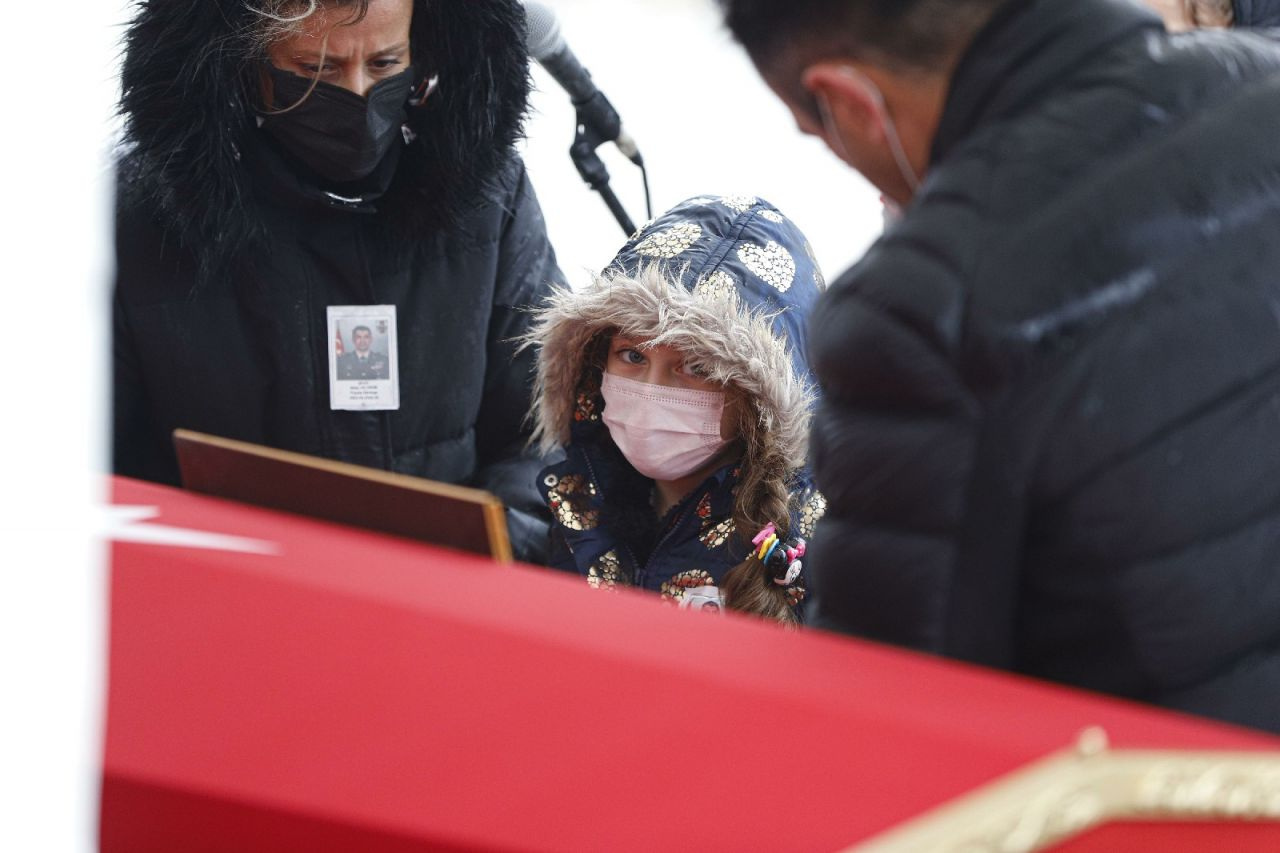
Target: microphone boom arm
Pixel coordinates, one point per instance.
(592, 169)
(597, 121)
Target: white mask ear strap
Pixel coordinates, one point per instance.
(829, 124)
(890, 126)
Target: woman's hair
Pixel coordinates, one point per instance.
(762, 498)
(280, 18)
(1209, 13)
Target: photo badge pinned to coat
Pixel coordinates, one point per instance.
(705, 599)
(364, 369)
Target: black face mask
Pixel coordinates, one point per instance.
(338, 134)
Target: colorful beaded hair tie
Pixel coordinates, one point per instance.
(781, 559)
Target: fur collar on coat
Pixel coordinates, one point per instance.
(189, 93)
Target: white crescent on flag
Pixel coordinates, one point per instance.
(125, 524)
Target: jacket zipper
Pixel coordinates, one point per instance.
(675, 525)
(635, 564)
(642, 571)
(384, 417)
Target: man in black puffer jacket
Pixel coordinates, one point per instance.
(1050, 432)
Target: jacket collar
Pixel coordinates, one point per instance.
(1026, 48)
(599, 467)
(1257, 13)
(281, 183)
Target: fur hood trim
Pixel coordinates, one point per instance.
(190, 91)
(693, 280)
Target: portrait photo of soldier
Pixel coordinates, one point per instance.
(363, 362)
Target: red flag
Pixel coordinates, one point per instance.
(337, 339)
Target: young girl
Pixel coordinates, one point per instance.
(676, 384)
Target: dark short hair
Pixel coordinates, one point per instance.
(918, 35)
(358, 328)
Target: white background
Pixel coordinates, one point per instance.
(704, 123)
(53, 429)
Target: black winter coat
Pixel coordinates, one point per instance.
(1050, 431)
(228, 256)
(1257, 13)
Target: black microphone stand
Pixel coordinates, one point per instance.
(598, 123)
(594, 172)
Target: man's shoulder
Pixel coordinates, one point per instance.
(1119, 110)
(1036, 210)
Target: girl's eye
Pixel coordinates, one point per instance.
(317, 69)
(385, 64)
(631, 356)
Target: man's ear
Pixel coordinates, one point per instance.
(855, 103)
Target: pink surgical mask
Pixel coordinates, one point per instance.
(665, 433)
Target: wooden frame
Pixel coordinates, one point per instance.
(438, 513)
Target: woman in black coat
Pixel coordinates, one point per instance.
(289, 164)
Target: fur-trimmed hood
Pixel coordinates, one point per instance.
(189, 84)
(728, 280)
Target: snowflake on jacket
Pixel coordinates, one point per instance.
(728, 281)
